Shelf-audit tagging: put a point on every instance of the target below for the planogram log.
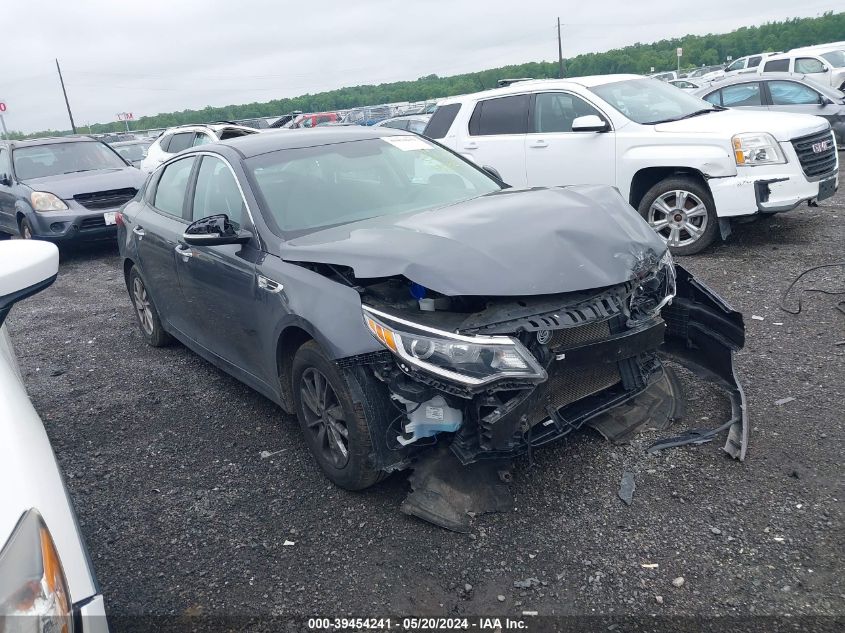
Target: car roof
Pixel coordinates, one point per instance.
(52, 140)
(535, 84)
(271, 141)
(134, 141)
(216, 127)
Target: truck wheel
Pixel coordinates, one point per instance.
(145, 310)
(337, 435)
(682, 212)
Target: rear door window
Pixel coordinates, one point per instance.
(180, 141)
(165, 142)
(792, 93)
(714, 97)
(753, 62)
(170, 191)
(442, 119)
(742, 95)
(505, 115)
(776, 66)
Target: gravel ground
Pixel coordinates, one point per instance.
(185, 513)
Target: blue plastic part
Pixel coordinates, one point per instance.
(417, 291)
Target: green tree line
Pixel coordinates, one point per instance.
(639, 58)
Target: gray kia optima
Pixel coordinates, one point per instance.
(415, 312)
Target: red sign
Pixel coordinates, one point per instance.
(125, 116)
(2, 106)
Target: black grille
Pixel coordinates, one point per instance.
(816, 164)
(105, 199)
(92, 223)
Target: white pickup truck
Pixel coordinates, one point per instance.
(688, 166)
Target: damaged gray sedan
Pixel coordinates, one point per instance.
(416, 313)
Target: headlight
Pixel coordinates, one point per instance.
(45, 201)
(469, 360)
(34, 595)
(756, 148)
(655, 291)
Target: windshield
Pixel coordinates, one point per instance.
(836, 58)
(40, 161)
(310, 188)
(647, 101)
(135, 151)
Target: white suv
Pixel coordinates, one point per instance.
(687, 166)
(175, 139)
(826, 66)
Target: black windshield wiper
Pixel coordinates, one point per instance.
(76, 171)
(681, 118)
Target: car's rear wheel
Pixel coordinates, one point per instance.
(148, 319)
(26, 229)
(337, 435)
(682, 212)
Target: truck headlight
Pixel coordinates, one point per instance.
(46, 201)
(469, 360)
(757, 148)
(655, 291)
(34, 596)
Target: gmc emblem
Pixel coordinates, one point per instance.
(818, 148)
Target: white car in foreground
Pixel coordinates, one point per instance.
(688, 166)
(46, 579)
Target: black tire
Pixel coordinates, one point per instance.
(148, 320)
(693, 233)
(26, 229)
(5, 236)
(324, 432)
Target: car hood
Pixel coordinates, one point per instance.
(783, 126)
(66, 186)
(512, 242)
(26, 458)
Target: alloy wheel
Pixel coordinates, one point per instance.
(142, 305)
(324, 417)
(26, 232)
(679, 217)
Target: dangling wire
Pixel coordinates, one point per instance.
(819, 290)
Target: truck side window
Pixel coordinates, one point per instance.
(808, 65)
(505, 115)
(776, 66)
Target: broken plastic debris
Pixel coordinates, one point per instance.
(627, 487)
(266, 454)
(757, 317)
(288, 543)
(784, 400)
(529, 613)
(649, 565)
(779, 539)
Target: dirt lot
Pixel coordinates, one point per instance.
(184, 512)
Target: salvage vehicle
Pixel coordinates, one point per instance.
(63, 189)
(688, 166)
(412, 311)
(781, 92)
(133, 151)
(47, 582)
(174, 140)
(823, 65)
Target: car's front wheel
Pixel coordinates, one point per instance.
(145, 310)
(682, 212)
(26, 229)
(337, 435)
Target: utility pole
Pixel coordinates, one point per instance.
(67, 103)
(559, 52)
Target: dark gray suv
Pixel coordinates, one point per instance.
(413, 311)
(62, 189)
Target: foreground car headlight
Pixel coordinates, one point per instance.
(655, 291)
(469, 360)
(756, 148)
(34, 596)
(45, 201)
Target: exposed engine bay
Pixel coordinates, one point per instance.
(470, 382)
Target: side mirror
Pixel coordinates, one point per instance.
(590, 123)
(215, 230)
(26, 267)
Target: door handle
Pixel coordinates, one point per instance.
(471, 145)
(184, 252)
(538, 143)
(139, 231)
(265, 283)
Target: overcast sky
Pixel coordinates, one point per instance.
(155, 56)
